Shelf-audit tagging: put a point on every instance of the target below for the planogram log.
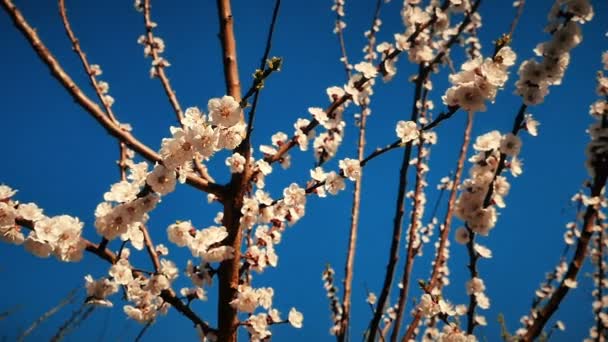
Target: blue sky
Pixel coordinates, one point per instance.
(58, 157)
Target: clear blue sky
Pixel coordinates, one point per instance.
(58, 157)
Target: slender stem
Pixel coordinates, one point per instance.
(143, 331)
(263, 61)
(159, 68)
(473, 257)
(410, 253)
(393, 256)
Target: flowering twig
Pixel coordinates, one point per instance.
(354, 223)
(263, 61)
(339, 101)
(440, 257)
(397, 220)
(86, 103)
(339, 30)
(160, 67)
(410, 252)
(577, 261)
(159, 64)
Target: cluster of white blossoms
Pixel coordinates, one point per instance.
(536, 77)
(338, 7)
(201, 135)
(249, 299)
(103, 87)
(546, 290)
(472, 206)
(479, 80)
(58, 235)
(204, 243)
(128, 202)
(597, 149)
(431, 306)
(597, 166)
(335, 305)
(424, 47)
(154, 47)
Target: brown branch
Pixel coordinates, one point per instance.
(228, 272)
(231, 73)
(150, 248)
(576, 263)
(168, 295)
(122, 167)
(440, 258)
(410, 253)
(87, 104)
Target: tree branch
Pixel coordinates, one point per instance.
(87, 104)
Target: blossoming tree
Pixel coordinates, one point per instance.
(232, 250)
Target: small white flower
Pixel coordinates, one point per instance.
(236, 162)
(406, 131)
(367, 69)
(225, 112)
(351, 168)
(295, 318)
(161, 179)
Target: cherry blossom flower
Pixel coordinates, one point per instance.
(225, 111)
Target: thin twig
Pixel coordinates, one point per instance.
(143, 331)
(65, 301)
(160, 67)
(73, 322)
(263, 61)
